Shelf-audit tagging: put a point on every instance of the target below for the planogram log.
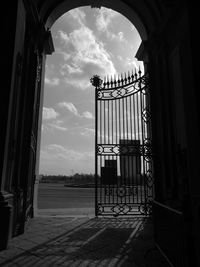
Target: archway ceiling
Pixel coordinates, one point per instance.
(146, 15)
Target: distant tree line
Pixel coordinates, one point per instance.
(68, 179)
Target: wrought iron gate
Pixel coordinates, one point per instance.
(124, 167)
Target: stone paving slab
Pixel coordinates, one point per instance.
(79, 242)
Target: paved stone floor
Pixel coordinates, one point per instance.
(82, 241)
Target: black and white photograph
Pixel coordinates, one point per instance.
(100, 128)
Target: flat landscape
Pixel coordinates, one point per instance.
(57, 196)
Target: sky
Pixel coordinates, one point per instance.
(87, 41)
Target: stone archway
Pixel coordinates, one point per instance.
(118, 6)
(169, 36)
(53, 16)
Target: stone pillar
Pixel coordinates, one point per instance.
(191, 79)
(8, 31)
(47, 48)
(37, 164)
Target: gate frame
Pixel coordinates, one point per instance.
(105, 89)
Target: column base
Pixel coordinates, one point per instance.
(6, 211)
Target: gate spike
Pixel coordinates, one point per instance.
(132, 76)
(122, 80)
(111, 81)
(139, 72)
(129, 76)
(115, 80)
(125, 79)
(118, 79)
(135, 74)
(104, 82)
(107, 79)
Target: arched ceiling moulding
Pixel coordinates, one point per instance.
(136, 11)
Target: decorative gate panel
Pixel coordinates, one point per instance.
(124, 168)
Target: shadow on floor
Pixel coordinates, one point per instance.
(97, 242)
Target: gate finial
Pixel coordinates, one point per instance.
(96, 81)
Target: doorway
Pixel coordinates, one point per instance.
(90, 43)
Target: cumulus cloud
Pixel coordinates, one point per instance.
(133, 63)
(87, 115)
(56, 157)
(90, 52)
(50, 78)
(60, 159)
(57, 125)
(104, 18)
(50, 121)
(49, 113)
(88, 132)
(78, 15)
(73, 68)
(64, 37)
(52, 82)
(64, 152)
(66, 56)
(81, 83)
(70, 107)
(88, 57)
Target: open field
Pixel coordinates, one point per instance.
(57, 196)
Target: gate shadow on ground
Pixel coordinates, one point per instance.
(98, 242)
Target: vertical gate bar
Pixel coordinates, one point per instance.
(105, 122)
(108, 109)
(100, 139)
(112, 121)
(142, 143)
(144, 162)
(112, 124)
(96, 136)
(119, 144)
(134, 115)
(104, 142)
(138, 138)
(128, 156)
(108, 140)
(149, 137)
(133, 129)
(142, 133)
(119, 108)
(135, 199)
(144, 106)
(124, 140)
(131, 118)
(141, 137)
(132, 123)
(138, 196)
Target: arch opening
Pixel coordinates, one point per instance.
(51, 16)
(85, 51)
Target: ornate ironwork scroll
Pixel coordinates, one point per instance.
(124, 165)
